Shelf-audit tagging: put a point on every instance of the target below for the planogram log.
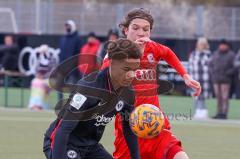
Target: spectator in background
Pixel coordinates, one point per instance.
(237, 66)
(39, 85)
(222, 70)
(198, 69)
(87, 62)
(9, 53)
(113, 35)
(70, 45)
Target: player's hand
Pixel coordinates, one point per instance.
(142, 42)
(190, 82)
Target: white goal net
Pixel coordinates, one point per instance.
(8, 20)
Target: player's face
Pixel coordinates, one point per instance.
(138, 28)
(123, 71)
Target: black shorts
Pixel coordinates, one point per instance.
(96, 151)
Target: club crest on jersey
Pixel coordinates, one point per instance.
(151, 58)
(119, 105)
(72, 154)
(78, 100)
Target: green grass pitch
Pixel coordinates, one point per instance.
(21, 131)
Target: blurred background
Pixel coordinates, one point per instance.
(36, 35)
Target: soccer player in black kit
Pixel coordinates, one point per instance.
(70, 138)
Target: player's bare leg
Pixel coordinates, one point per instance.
(181, 155)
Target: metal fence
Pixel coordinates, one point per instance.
(184, 21)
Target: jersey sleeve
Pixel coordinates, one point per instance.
(76, 102)
(61, 139)
(47, 136)
(129, 136)
(170, 57)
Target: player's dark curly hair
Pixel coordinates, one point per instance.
(122, 49)
(136, 13)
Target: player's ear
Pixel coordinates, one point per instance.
(126, 30)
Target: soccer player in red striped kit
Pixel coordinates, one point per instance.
(137, 26)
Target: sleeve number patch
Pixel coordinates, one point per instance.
(78, 100)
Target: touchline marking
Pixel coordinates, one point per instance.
(210, 123)
(27, 119)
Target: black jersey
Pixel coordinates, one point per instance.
(89, 132)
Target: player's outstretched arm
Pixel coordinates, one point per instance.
(169, 56)
(130, 138)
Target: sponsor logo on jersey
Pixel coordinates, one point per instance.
(101, 103)
(103, 120)
(145, 74)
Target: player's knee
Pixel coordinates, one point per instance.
(181, 155)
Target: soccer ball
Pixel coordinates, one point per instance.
(146, 121)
